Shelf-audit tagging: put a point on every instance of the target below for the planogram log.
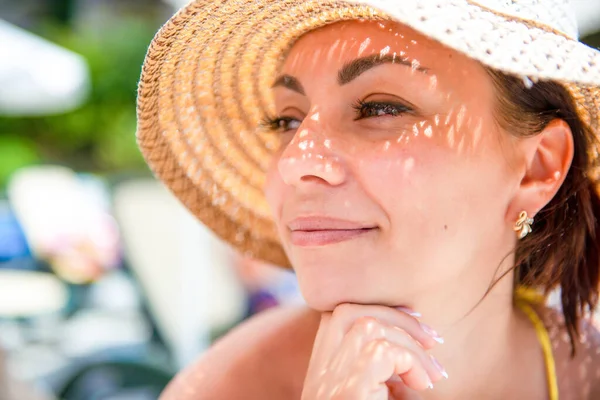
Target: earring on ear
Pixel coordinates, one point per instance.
(523, 225)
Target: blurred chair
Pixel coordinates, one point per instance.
(10, 389)
(115, 380)
(185, 272)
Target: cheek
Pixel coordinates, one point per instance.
(430, 190)
(274, 188)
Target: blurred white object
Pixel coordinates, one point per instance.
(587, 11)
(29, 294)
(184, 270)
(177, 4)
(10, 389)
(89, 332)
(588, 15)
(66, 221)
(38, 77)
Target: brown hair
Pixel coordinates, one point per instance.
(563, 249)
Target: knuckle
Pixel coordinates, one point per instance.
(366, 324)
(405, 357)
(378, 346)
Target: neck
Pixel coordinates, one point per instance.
(482, 338)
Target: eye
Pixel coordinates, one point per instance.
(280, 124)
(379, 108)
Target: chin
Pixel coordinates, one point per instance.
(324, 293)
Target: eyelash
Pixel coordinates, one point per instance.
(381, 108)
(364, 109)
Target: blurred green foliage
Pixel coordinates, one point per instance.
(100, 135)
(593, 40)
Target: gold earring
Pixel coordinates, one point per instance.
(523, 225)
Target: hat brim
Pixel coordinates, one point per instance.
(205, 87)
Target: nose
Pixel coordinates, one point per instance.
(310, 158)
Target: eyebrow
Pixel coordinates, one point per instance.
(355, 68)
(352, 70)
(289, 82)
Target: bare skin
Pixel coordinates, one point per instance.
(393, 187)
(267, 358)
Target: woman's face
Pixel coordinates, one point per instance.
(393, 179)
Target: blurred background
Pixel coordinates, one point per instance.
(107, 285)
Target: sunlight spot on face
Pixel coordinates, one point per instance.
(461, 143)
(413, 41)
(363, 46)
(294, 61)
(328, 167)
(311, 144)
(316, 56)
(315, 116)
(429, 131)
(409, 164)
(478, 132)
(303, 145)
(460, 117)
(327, 143)
(415, 130)
(436, 119)
(343, 49)
(384, 51)
(303, 133)
(320, 157)
(402, 138)
(415, 65)
(433, 83)
(386, 146)
(448, 118)
(451, 137)
(333, 48)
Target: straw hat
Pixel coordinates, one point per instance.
(206, 83)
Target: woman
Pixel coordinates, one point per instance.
(395, 154)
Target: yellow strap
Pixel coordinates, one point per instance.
(525, 297)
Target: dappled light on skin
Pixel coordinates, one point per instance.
(375, 123)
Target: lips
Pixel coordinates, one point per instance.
(322, 231)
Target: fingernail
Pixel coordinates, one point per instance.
(430, 386)
(439, 367)
(409, 311)
(431, 332)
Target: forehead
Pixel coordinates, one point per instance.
(336, 44)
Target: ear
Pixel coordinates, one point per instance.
(548, 157)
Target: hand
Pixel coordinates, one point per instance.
(370, 352)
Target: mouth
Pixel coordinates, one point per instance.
(323, 231)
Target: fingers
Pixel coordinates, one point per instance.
(368, 339)
(340, 321)
(359, 349)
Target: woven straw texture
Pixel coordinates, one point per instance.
(206, 81)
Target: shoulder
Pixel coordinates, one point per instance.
(591, 347)
(264, 357)
(578, 375)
